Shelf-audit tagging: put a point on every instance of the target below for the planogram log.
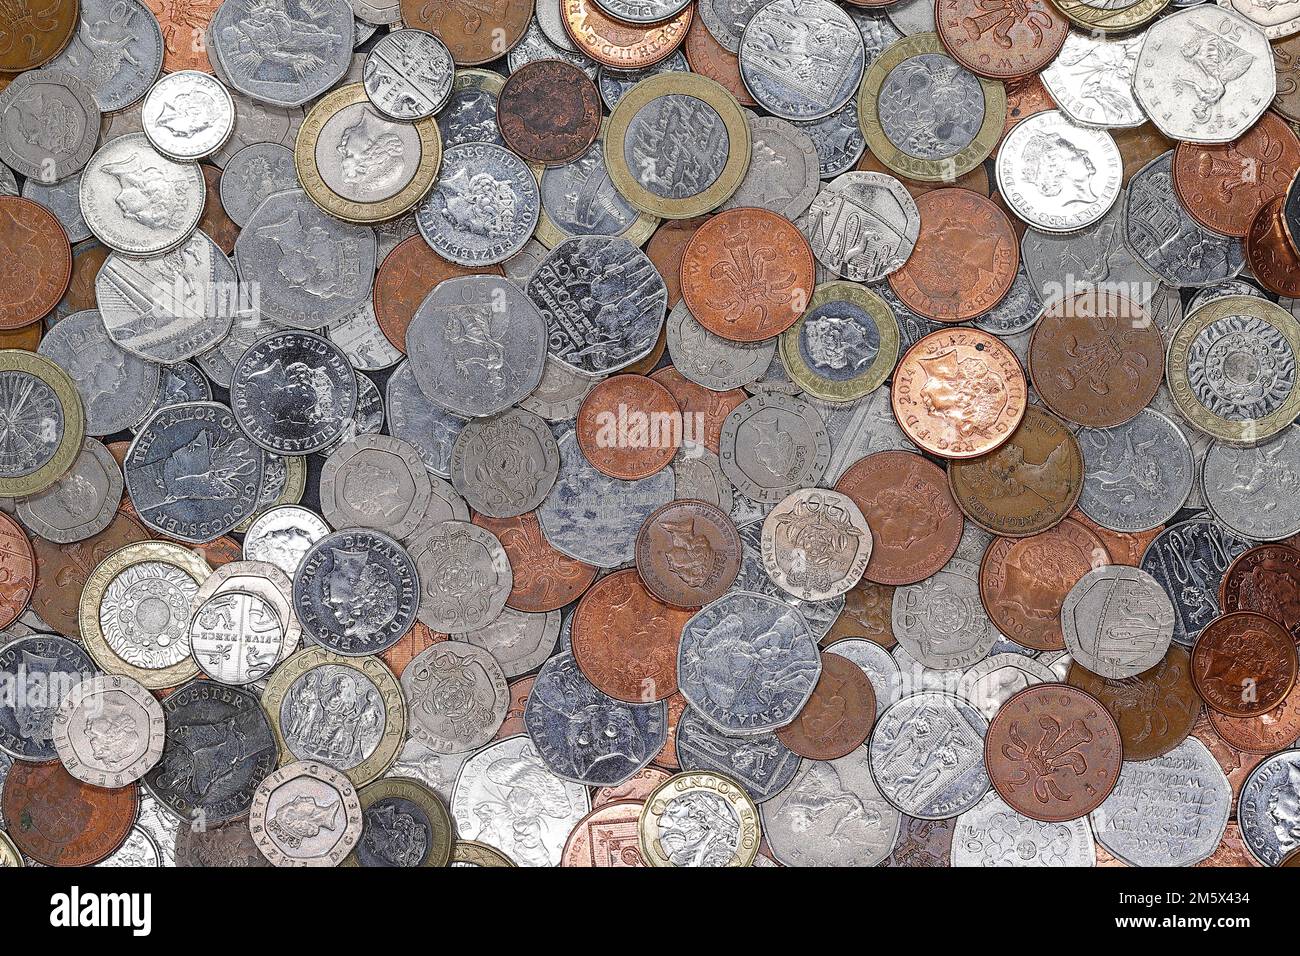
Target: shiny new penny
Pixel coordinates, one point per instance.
(549, 112)
(959, 393)
(405, 277)
(17, 570)
(1026, 486)
(688, 553)
(607, 836)
(35, 32)
(1024, 581)
(702, 409)
(1155, 711)
(965, 257)
(707, 57)
(544, 579)
(184, 23)
(474, 32)
(838, 716)
(57, 820)
(1223, 187)
(62, 570)
(1244, 664)
(1265, 579)
(666, 248)
(1096, 358)
(621, 427)
(619, 45)
(1053, 753)
(748, 274)
(35, 262)
(625, 639)
(1265, 733)
(1003, 43)
(1269, 253)
(915, 524)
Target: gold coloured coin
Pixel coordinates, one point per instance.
(671, 814)
(828, 351)
(473, 853)
(9, 856)
(332, 155)
(389, 795)
(927, 169)
(34, 395)
(335, 670)
(135, 612)
(677, 145)
(1110, 17)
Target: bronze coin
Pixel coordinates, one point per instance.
(1265, 579)
(964, 260)
(665, 250)
(35, 261)
(607, 836)
(1244, 664)
(688, 553)
(1155, 711)
(748, 274)
(27, 338)
(1231, 850)
(703, 410)
(57, 820)
(639, 786)
(867, 613)
(1053, 753)
(1025, 97)
(406, 276)
(1024, 581)
(625, 639)
(544, 579)
(1264, 733)
(1096, 358)
(667, 757)
(1286, 66)
(915, 524)
(87, 259)
(514, 722)
(549, 112)
(1124, 547)
(214, 223)
(619, 45)
(707, 57)
(17, 570)
(977, 180)
(33, 32)
(628, 427)
(475, 31)
(838, 716)
(1026, 486)
(1269, 253)
(1013, 42)
(418, 639)
(183, 22)
(1138, 145)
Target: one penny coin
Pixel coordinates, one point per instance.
(1004, 44)
(868, 613)
(214, 223)
(1053, 753)
(544, 579)
(619, 45)
(474, 33)
(748, 274)
(838, 716)
(665, 250)
(915, 524)
(549, 112)
(625, 639)
(965, 258)
(629, 427)
(87, 259)
(1124, 547)
(1024, 581)
(182, 24)
(57, 820)
(707, 57)
(1265, 579)
(1286, 65)
(1265, 733)
(688, 553)
(959, 393)
(35, 33)
(405, 277)
(1269, 253)
(17, 570)
(607, 836)
(1155, 711)
(1096, 358)
(1244, 664)
(35, 261)
(703, 410)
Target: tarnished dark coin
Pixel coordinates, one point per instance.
(57, 820)
(688, 553)
(549, 112)
(837, 717)
(39, 671)
(1265, 579)
(404, 824)
(1155, 710)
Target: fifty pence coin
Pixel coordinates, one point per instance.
(978, 839)
(109, 731)
(759, 762)
(1189, 560)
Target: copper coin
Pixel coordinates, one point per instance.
(607, 836)
(703, 410)
(868, 613)
(639, 786)
(838, 716)
(62, 570)
(667, 757)
(1025, 97)
(1231, 850)
(35, 261)
(619, 45)
(1004, 42)
(625, 639)
(17, 570)
(57, 820)
(915, 524)
(1024, 581)
(959, 393)
(748, 274)
(665, 250)
(977, 180)
(33, 32)
(1269, 254)
(1265, 579)
(214, 223)
(1236, 764)
(1155, 711)
(87, 259)
(1244, 664)
(475, 31)
(1124, 547)
(965, 258)
(418, 639)
(644, 366)
(1053, 753)
(183, 23)
(1138, 145)
(26, 338)
(514, 722)
(707, 57)
(1286, 66)
(1264, 733)
(544, 579)
(628, 427)
(549, 112)
(217, 552)
(688, 553)
(1096, 358)
(1026, 486)
(1223, 187)
(406, 276)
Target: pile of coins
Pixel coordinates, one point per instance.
(649, 432)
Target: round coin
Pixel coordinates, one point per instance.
(1265, 579)
(699, 819)
(927, 755)
(688, 553)
(57, 820)
(35, 262)
(549, 112)
(1056, 176)
(844, 346)
(1244, 664)
(838, 716)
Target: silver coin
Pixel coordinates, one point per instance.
(470, 115)
(114, 125)
(520, 641)
(237, 637)
(188, 115)
(80, 504)
(614, 84)
(368, 419)
(747, 663)
(912, 16)
(140, 849)
(364, 157)
(772, 445)
(816, 544)
(1117, 621)
(483, 208)
(642, 11)
(41, 669)
(408, 74)
(536, 45)
(8, 184)
(262, 580)
(759, 762)
(550, 20)
(257, 122)
(983, 836)
(1268, 810)
(698, 476)
(218, 362)
(579, 199)
(465, 576)
(858, 429)
(941, 620)
(117, 389)
(118, 49)
(710, 360)
(676, 146)
(1056, 176)
(282, 536)
(994, 680)
(1253, 490)
(435, 770)
(63, 199)
(1197, 440)
(801, 59)
(1018, 312)
(837, 138)
(937, 107)
(412, 417)
(1188, 560)
(927, 755)
(784, 172)
(1223, 290)
(363, 342)
(182, 382)
(726, 19)
(863, 226)
(138, 202)
(109, 731)
(1091, 79)
(559, 395)
(389, 234)
(372, 14)
(457, 696)
(878, 33)
(1136, 476)
(1168, 811)
(306, 814)
(375, 481)
(159, 822)
(753, 576)
(505, 465)
(1095, 257)
(520, 267)
(911, 327)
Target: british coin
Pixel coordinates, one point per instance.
(941, 621)
(1189, 560)
(364, 342)
(1117, 621)
(838, 716)
(283, 535)
(607, 836)
(408, 273)
(548, 111)
(863, 226)
(753, 576)
(688, 553)
(109, 731)
(409, 74)
(816, 544)
(306, 814)
(858, 429)
(415, 419)
(643, 11)
(1240, 683)
(188, 115)
(35, 805)
(473, 35)
(182, 382)
(1056, 176)
(1261, 580)
(1009, 51)
(505, 465)
(236, 637)
(17, 561)
(457, 696)
(1265, 810)
(910, 769)
(46, 33)
(1269, 251)
(996, 679)
(710, 360)
(780, 31)
(625, 427)
(544, 578)
(117, 79)
(40, 671)
(844, 346)
(726, 22)
(877, 663)
(51, 154)
(1237, 482)
(117, 389)
(375, 481)
(1138, 474)
(978, 839)
(37, 262)
(1097, 16)
(403, 824)
(138, 202)
(837, 139)
(699, 819)
(760, 763)
(520, 641)
(579, 199)
(614, 82)
(253, 174)
(470, 115)
(773, 445)
(464, 576)
(613, 41)
(79, 505)
(63, 199)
